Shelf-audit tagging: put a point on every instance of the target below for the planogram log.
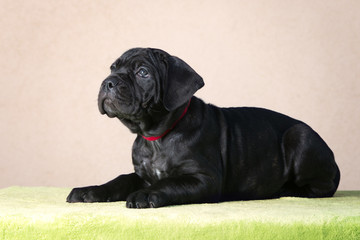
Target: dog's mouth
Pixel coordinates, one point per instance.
(111, 103)
(110, 108)
(115, 108)
(106, 106)
(119, 102)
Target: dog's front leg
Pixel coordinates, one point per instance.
(176, 190)
(115, 190)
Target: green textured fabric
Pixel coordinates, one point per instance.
(42, 213)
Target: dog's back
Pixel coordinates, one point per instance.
(266, 154)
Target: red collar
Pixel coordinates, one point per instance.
(168, 130)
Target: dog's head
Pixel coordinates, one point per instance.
(146, 85)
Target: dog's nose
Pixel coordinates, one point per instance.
(110, 83)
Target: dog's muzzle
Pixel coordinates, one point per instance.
(114, 93)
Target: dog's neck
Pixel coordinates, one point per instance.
(154, 138)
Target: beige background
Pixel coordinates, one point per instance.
(301, 58)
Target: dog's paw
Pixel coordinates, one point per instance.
(88, 194)
(146, 199)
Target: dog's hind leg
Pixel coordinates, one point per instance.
(312, 171)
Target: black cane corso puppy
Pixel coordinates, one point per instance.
(187, 151)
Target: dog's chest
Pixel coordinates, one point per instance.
(151, 162)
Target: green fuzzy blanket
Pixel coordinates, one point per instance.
(42, 213)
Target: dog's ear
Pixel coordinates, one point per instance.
(180, 83)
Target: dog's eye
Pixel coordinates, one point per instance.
(143, 73)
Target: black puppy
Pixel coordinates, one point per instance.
(187, 151)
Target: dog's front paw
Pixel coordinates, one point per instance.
(146, 199)
(88, 194)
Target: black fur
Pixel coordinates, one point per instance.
(212, 154)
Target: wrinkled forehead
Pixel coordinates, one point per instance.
(133, 58)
